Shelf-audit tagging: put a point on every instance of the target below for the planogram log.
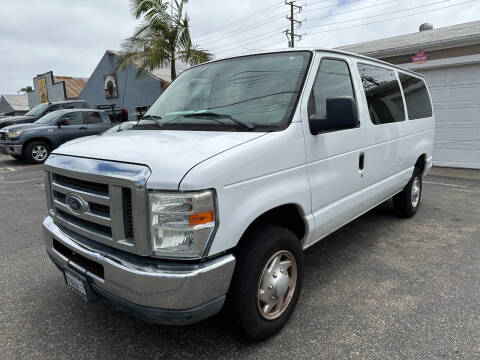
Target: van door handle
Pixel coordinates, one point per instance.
(361, 161)
(82, 128)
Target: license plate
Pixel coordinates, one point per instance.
(76, 282)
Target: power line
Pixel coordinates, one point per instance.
(241, 30)
(395, 18)
(247, 41)
(377, 15)
(383, 20)
(238, 21)
(357, 9)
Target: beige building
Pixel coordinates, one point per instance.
(449, 58)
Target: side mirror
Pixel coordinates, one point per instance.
(341, 115)
(63, 121)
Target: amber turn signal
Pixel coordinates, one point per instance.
(202, 218)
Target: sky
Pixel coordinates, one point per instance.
(70, 36)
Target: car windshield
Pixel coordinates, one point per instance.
(47, 119)
(250, 93)
(37, 110)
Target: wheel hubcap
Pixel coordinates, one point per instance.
(277, 285)
(39, 152)
(416, 188)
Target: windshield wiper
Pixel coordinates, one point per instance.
(225, 116)
(151, 117)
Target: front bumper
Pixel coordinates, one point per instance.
(158, 291)
(11, 149)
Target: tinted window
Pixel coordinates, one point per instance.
(333, 80)
(75, 118)
(416, 97)
(384, 99)
(93, 118)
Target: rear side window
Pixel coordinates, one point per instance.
(73, 118)
(382, 90)
(333, 80)
(93, 118)
(416, 97)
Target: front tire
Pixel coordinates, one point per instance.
(267, 281)
(407, 202)
(37, 152)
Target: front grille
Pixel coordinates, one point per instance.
(96, 221)
(127, 212)
(77, 184)
(100, 201)
(3, 136)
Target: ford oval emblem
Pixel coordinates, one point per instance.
(76, 204)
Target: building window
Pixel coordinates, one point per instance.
(111, 89)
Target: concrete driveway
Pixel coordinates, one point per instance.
(379, 288)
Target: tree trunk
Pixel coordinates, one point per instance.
(173, 72)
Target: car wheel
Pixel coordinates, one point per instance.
(406, 202)
(267, 281)
(37, 152)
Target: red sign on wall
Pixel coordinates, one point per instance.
(420, 57)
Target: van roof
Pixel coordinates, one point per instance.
(335, 51)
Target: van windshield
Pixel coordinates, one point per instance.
(249, 93)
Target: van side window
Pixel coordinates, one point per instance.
(416, 97)
(384, 99)
(333, 80)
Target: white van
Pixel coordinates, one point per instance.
(239, 166)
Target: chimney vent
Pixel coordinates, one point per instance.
(426, 26)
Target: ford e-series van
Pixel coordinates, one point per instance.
(239, 166)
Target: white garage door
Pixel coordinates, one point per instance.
(455, 93)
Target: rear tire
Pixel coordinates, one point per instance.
(267, 281)
(407, 202)
(36, 152)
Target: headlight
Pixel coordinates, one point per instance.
(181, 223)
(14, 134)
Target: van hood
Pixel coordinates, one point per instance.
(169, 154)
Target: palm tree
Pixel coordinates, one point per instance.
(26, 89)
(161, 39)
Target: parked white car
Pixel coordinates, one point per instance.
(239, 166)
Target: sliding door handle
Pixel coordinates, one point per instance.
(361, 161)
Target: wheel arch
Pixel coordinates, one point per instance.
(288, 215)
(37, 138)
(421, 163)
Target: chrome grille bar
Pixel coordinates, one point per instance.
(101, 186)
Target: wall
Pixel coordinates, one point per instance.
(132, 92)
(56, 91)
(436, 54)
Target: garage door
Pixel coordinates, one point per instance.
(455, 94)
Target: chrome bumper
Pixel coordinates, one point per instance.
(11, 149)
(164, 292)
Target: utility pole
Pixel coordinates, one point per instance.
(291, 34)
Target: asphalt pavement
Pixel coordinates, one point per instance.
(378, 288)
